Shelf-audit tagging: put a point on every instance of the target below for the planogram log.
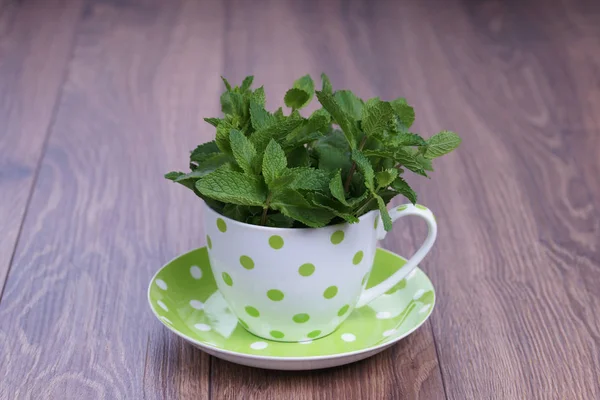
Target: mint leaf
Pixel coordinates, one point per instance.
(405, 113)
(386, 177)
(292, 204)
(365, 167)
(325, 202)
(246, 83)
(409, 161)
(400, 186)
(306, 84)
(277, 131)
(274, 162)
(352, 105)
(244, 152)
(442, 143)
(259, 96)
(376, 118)
(204, 151)
(173, 175)
(333, 152)
(310, 130)
(298, 157)
(425, 163)
(233, 187)
(305, 178)
(336, 187)
(296, 98)
(227, 85)
(213, 121)
(408, 139)
(345, 122)
(261, 118)
(327, 88)
(209, 163)
(222, 136)
(385, 215)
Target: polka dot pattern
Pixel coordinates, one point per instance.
(221, 225)
(227, 279)
(420, 207)
(196, 272)
(196, 304)
(208, 242)
(275, 295)
(348, 337)
(357, 257)
(277, 334)
(259, 345)
(276, 242)
(330, 292)
(161, 284)
(301, 318)
(306, 269)
(313, 334)
(343, 310)
(337, 237)
(251, 311)
(402, 208)
(203, 327)
(247, 262)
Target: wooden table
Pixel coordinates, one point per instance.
(99, 98)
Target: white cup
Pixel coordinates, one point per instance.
(290, 284)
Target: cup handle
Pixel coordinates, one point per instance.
(396, 213)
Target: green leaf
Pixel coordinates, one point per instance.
(408, 139)
(327, 203)
(400, 156)
(238, 212)
(247, 83)
(327, 88)
(292, 204)
(336, 186)
(310, 130)
(233, 187)
(274, 162)
(244, 152)
(261, 118)
(259, 96)
(405, 113)
(385, 215)
(306, 178)
(227, 85)
(204, 151)
(352, 105)
(333, 152)
(278, 220)
(365, 167)
(213, 121)
(400, 186)
(386, 177)
(306, 84)
(277, 131)
(298, 157)
(442, 143)
(296, 98)
(182, 179)
(425, 163)
(345, 121)
(173, 175)
(222, 136)
(376, 118)
(209, 164)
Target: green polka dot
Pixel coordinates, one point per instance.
(357, 257)
(227, 279)
(221, 225)
(306, 269)
(314, 334)
(402, 208)
(376, 222)
(275, 295)
(420, 207)
(365, 279)
(208, 242)
(343, 310)
(247, 262)
(276, 242)
(399, 286)
(243, 323)
(253, 312)
(301, 318)
(337, 237)
(330, 292)
(277, 334)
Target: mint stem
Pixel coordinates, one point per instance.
(353, 167)
(263, 218)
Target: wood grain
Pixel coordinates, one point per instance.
(35, 45)
(517, 262)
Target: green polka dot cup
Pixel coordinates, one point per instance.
(293, 285)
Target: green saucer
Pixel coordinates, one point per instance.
(184, 296)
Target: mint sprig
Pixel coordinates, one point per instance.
(282, 169)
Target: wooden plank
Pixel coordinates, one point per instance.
(35, 45)
(75, 320)
(317, 37)
(516, 264)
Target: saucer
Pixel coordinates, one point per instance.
(184, 297)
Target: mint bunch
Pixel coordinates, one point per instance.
(282, 169)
